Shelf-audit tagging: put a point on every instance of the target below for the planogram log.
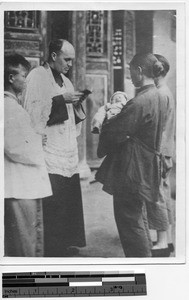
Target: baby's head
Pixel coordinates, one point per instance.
(119, 97)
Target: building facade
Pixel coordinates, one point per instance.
(105, 42)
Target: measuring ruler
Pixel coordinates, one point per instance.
(68, 284)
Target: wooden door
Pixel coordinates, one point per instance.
(99, 77)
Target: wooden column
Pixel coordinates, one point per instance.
(78, 37)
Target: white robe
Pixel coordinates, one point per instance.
(26, 176)
(61, 151)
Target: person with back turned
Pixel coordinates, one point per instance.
(131, 142)
(160, 214)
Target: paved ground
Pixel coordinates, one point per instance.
(101, 231)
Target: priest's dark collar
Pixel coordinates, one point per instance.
(57, 76)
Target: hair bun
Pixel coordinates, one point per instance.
(158, 68)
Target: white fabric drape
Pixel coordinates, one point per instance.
(61, 151)
(26, 176)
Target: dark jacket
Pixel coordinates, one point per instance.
(134, 163)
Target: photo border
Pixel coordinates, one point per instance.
(180, 132)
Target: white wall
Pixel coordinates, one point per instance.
(163, 45)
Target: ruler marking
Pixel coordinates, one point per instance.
(86, 283)
(54, 284)
(119, 279)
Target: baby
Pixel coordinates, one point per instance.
(114, 107)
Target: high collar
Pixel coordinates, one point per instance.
(161, 84)
(145, 87)
(11, 95)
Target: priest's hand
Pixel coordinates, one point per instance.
(72, 97)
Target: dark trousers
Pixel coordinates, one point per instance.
(63, 216)
(131, 219)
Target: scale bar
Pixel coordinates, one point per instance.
(73, 284)
(115, 279)
(86, 283)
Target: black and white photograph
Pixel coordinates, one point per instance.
(94, 161)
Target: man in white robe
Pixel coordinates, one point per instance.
(56, 111)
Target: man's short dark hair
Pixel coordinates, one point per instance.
(11, 64)
(55, 46)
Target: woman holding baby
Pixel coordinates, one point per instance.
(131, 142)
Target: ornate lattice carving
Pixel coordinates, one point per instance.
(95, 33)
(21, 45)
(21, 19)
(130, 40)
(118, 48)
